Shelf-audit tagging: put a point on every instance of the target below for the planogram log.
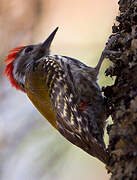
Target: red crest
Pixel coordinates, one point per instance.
(8, 72)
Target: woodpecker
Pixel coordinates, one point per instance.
(64, 90)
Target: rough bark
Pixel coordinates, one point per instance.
(122, 96)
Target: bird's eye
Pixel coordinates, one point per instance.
(28, 49)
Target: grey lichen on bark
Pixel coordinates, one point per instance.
(122, 95)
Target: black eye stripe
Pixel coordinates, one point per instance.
(28, 49)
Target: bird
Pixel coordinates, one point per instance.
(64, 90)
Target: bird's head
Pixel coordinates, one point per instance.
(20, 59)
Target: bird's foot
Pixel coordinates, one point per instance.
(107, 52)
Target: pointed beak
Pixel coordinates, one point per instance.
(48, 41)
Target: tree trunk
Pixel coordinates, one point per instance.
(122, 96)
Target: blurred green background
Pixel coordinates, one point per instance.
(30, 149)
